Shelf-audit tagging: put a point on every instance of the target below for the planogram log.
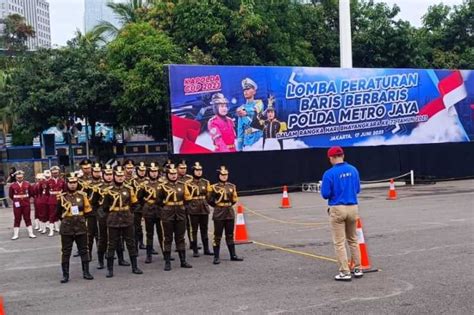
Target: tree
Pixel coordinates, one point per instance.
(236, 32)
(54, 86)
(132, 11)
(15, 33)
(380, 40)
(447, 36)
(138, 57)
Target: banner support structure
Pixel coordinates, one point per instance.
(345, 38)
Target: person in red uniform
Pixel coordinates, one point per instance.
(44, 201)
(220, 126)
(20, 193)
(36, 197)
(55, 187)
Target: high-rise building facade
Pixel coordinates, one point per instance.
(96, 11)
(36, 14)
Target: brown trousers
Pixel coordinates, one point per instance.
(342, 220)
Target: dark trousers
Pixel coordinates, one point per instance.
(103, 238)
(92, 231)
(137, 220)
(66, 247)
(219, 227)
(201, 222)
(188, 228)
(22, 212)
(115, 235)
(152, 223)
(178, 228)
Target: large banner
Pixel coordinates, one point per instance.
(247, 108)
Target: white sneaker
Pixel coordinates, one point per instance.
(16, 232)
(358, 273)
(30, 232)
(342, 276)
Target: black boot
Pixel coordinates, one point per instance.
(167, 256)
(135, 269)
(171, 258)
(149, 252)
(110, 267)
(121, 261)
(233, 256)
(205, 243)
(85, 271)
(65, 268)
(142, 245)
(216, 255)
(182, 258)
(100, 257)
(195, 249)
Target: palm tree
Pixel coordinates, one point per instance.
(131, 11)
(92, 38)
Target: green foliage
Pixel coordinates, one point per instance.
(53, 86)
(447, 36)
(137, 57)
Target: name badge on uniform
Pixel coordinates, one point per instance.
(75, 210)
(17, 204)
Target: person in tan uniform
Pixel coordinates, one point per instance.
(222, 196)
(198, 209)
(139, 184)
(72, 206)
(151, 211)
(119, 202)
(172, 196)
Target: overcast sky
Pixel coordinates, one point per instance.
(68, 15)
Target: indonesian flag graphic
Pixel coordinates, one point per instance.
(185, 132)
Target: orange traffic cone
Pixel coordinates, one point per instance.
(241, 235)
(364, 256)
(392, 193)
(285, 200)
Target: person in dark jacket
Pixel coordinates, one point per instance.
(222, 196)
(71, 209)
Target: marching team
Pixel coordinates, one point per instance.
(108, 204)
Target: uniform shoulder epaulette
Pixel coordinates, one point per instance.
(82, 193)
(58, 196)
(129, 187)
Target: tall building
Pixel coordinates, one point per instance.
(97, 11)
(36, 13)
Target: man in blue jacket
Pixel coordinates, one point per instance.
(340, 187)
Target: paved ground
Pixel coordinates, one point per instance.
(423, 243)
